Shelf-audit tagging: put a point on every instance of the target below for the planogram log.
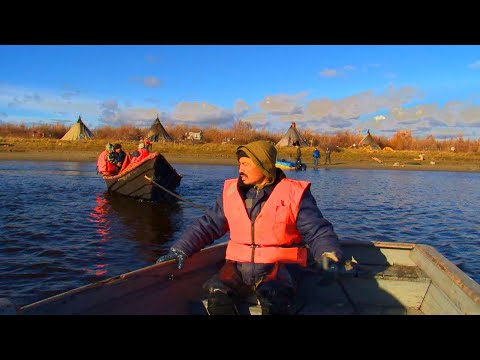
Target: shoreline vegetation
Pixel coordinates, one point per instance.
(19, 149)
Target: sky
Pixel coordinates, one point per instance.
(428, 89)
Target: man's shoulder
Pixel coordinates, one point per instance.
(293, 181)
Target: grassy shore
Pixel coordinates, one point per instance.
(224, 154)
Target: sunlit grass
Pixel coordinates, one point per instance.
(228, 151)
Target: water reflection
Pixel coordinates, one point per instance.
(146, 222)
(99, 216)
(125, 227)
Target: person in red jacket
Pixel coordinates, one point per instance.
(139, 154)
(106, 162)
(274, 224)
(148, 144)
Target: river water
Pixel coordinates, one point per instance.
(59, 229)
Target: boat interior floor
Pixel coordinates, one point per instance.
(365, 290)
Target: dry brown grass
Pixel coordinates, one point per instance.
(242, 132)
(89, 149)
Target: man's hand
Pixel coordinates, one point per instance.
(328, 258)
(176, 254)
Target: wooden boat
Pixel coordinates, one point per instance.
(131, 181)
(378, 278)
(289, 165)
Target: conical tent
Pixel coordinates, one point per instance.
(369, 141)
(78, 131)
(292, 137)
(158, 132)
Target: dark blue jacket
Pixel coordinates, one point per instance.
(315, 230)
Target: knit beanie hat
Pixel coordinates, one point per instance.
(263, 154)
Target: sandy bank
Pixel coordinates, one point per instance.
(46, 155)
(50, 155)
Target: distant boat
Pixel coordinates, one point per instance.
(132, 182)
(289, 165)
(384, 278)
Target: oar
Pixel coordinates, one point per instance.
(173, 194)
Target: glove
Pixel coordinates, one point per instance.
(329, 259)
(176, 254)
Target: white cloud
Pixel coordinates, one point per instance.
(113, 115)
(319, 108)
(15, 99)
(152, 81)
(152, 59)
(259, 119)
(329, 73)
(283, 104)
(475, 65)
(202, 113)
(240, 108)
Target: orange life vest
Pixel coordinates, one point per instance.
(274, 236)
(104, 166)
(143, 154)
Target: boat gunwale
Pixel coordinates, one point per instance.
(469, 286)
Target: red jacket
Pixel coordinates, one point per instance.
(104, 166)
(143, 154)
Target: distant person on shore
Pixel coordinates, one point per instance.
(139, 154)
(327, 156)
(119, 155)
(106, 162)
(148, 144)
(298, 154)
(316, 156)
(274, 223)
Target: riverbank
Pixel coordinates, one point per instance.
(223, 154)
(221, 159)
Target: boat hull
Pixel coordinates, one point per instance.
(132, 182)
(377, 278)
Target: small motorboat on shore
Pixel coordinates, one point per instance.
(290, 165)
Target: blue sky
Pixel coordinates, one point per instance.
(429, 89)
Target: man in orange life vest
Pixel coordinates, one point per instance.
(272, 220)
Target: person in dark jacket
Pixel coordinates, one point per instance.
(316, 156)
(327, 156)
(119, 155)
(298, 154)
(274, 223)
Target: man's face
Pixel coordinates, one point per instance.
(250, 174)
(118, 150)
